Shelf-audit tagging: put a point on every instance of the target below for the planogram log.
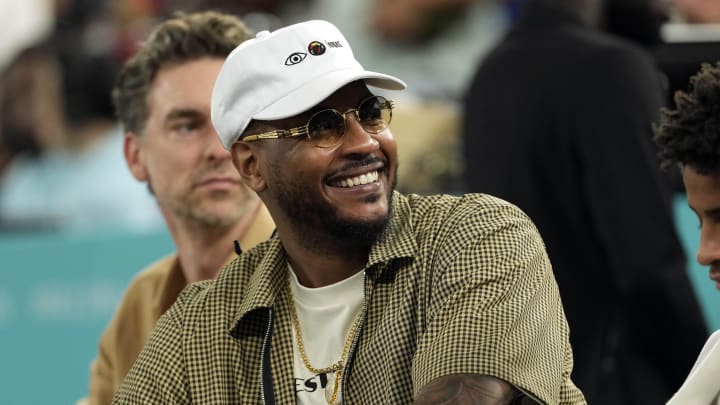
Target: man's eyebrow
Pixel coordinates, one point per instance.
(182, 113)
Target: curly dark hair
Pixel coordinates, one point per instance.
(690, 134)
(182, 38)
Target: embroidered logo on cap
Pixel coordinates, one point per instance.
(295, 58)
(316, 48)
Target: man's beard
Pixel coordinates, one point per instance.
(323, 230)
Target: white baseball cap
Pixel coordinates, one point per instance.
(283, 73)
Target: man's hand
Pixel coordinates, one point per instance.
(467, 389)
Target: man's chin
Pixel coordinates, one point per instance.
(374, 208)
(363, 230)
(369, 219)
(217, 217)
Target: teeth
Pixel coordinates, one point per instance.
(358, 180)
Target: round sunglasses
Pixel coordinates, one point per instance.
(325, 128)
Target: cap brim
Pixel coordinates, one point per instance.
(313, 92)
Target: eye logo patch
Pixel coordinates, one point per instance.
(295, 58)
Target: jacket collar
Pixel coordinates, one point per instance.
(265, 282)
(398, 241)
(268, 279)
(170, 287)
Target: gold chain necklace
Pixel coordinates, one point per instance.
(338, 366)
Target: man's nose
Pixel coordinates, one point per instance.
(356, 137)
(709, 249)
(215, 149)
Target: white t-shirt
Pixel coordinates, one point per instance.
(326, 315)
(702, 386)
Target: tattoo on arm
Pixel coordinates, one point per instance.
(473, 389)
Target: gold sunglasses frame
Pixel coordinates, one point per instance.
(305, 130)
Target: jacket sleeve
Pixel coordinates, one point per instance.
(102, 386)
(124, 337)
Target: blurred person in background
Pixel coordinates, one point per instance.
(133, 20)
(30, 115)
(558, 120)
(162, 97)
(691, 38)
(433, 44)
(639, 21)
(698, 11)
(688, 138)
(67, 171)
(25, 24)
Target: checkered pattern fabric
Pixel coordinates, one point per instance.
(456, 285)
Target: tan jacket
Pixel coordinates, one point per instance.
(150, 294)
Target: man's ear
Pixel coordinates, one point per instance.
(247, 159)
(134, 156)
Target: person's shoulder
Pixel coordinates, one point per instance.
(141, 295)
(224, 292)
(135, 314)
(153, 274)
(476, 231)
(601, 47)
(458, 203)
(602, 64)
(191, 305)
(194, 292)
(484, 212)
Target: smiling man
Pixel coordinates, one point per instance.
(363, 295)
(689, 137)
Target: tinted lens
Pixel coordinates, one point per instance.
(326, 127)
(375, 114)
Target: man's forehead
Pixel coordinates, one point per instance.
(185, 85)
(168, 109)
(703, 189)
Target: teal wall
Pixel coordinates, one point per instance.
(57, 292)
